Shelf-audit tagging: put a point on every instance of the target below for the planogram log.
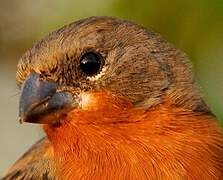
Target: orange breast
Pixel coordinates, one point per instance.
(110, 139)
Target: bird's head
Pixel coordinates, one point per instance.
(94, 70)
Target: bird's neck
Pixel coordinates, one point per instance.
(129, 138)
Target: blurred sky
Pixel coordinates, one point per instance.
(194, 26)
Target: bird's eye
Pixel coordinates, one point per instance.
(91, 63)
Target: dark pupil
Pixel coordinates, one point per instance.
(90, 63)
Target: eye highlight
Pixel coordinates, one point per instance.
(91, 63)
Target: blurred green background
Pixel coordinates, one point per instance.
(194, 26)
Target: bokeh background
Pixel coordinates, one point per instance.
(195, 26)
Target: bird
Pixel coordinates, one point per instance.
(116, 101)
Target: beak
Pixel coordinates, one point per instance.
(41, 103)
